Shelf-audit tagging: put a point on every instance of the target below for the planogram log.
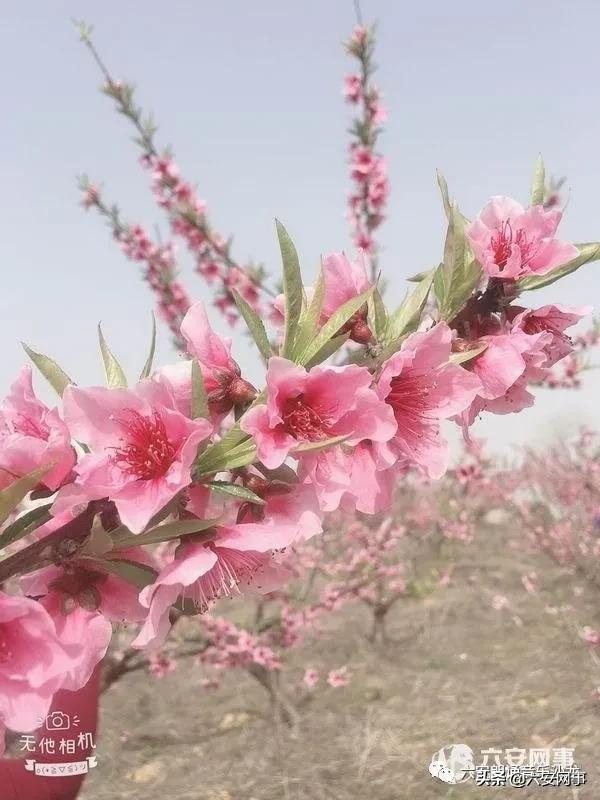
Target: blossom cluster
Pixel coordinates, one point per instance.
(160, 268)
(188, 220)
(368, 168)
(229, 479)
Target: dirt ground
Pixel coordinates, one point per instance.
(457, 670)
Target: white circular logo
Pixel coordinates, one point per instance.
(453, 763)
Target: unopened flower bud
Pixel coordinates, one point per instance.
(361, 333)
(240, 392)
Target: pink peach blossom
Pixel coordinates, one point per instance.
(344, 280)
(352, 88)
(338, 677)
(203, 571)
(510, 361)
(84, 635)
(142, 448)
(510, 242)
(88, 585)
(553, 320)
(221, 374)
(33, 662)
(422, 388)
(310, 406)
(32, 435)
(311, 677)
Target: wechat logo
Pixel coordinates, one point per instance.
(454, 763)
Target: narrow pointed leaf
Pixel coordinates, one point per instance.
(313, 447)
(467, 355)
(255, 325)
(55, 375)
(27, 523)
(292, 288)
(115, 377)
(309, 320)
(164, 533)
(239, 492)
(588, 252)
(378, 317)
(459, 273)
(420, 276)
(335, 323)
(538, 187)
(199, 397)
(444, 191)
(213, 457)
(132, 572)
(12, 495)
(145, 373)
(406, 318)
(328, 349)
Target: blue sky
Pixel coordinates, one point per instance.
(249, 96)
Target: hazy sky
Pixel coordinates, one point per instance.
(249, 96)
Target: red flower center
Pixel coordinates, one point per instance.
(301, 420)
(409, 398)
(146, 451)
(502, 243)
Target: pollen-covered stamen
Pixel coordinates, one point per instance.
(233, 567)
(504, 239)
(146, 451)
(409, 399)
(301, 420)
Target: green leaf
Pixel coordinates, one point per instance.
(12, 495)
(467, 355)
(240, 457)
(406, 318)
(588, 252)
(212, 459)
(255, 325)
(164, 533)
(239, 492)
(334, 324)
(420, 276)
(377, 316)
(459, 273)
(115, 377)
(328, 349)
(444, 190)
(309, 319)
(292, 288)
(133, 572)
(199, 396)
(56, 377)
(27, 523)
(323, 444)
(145, 373)
(538, 187)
